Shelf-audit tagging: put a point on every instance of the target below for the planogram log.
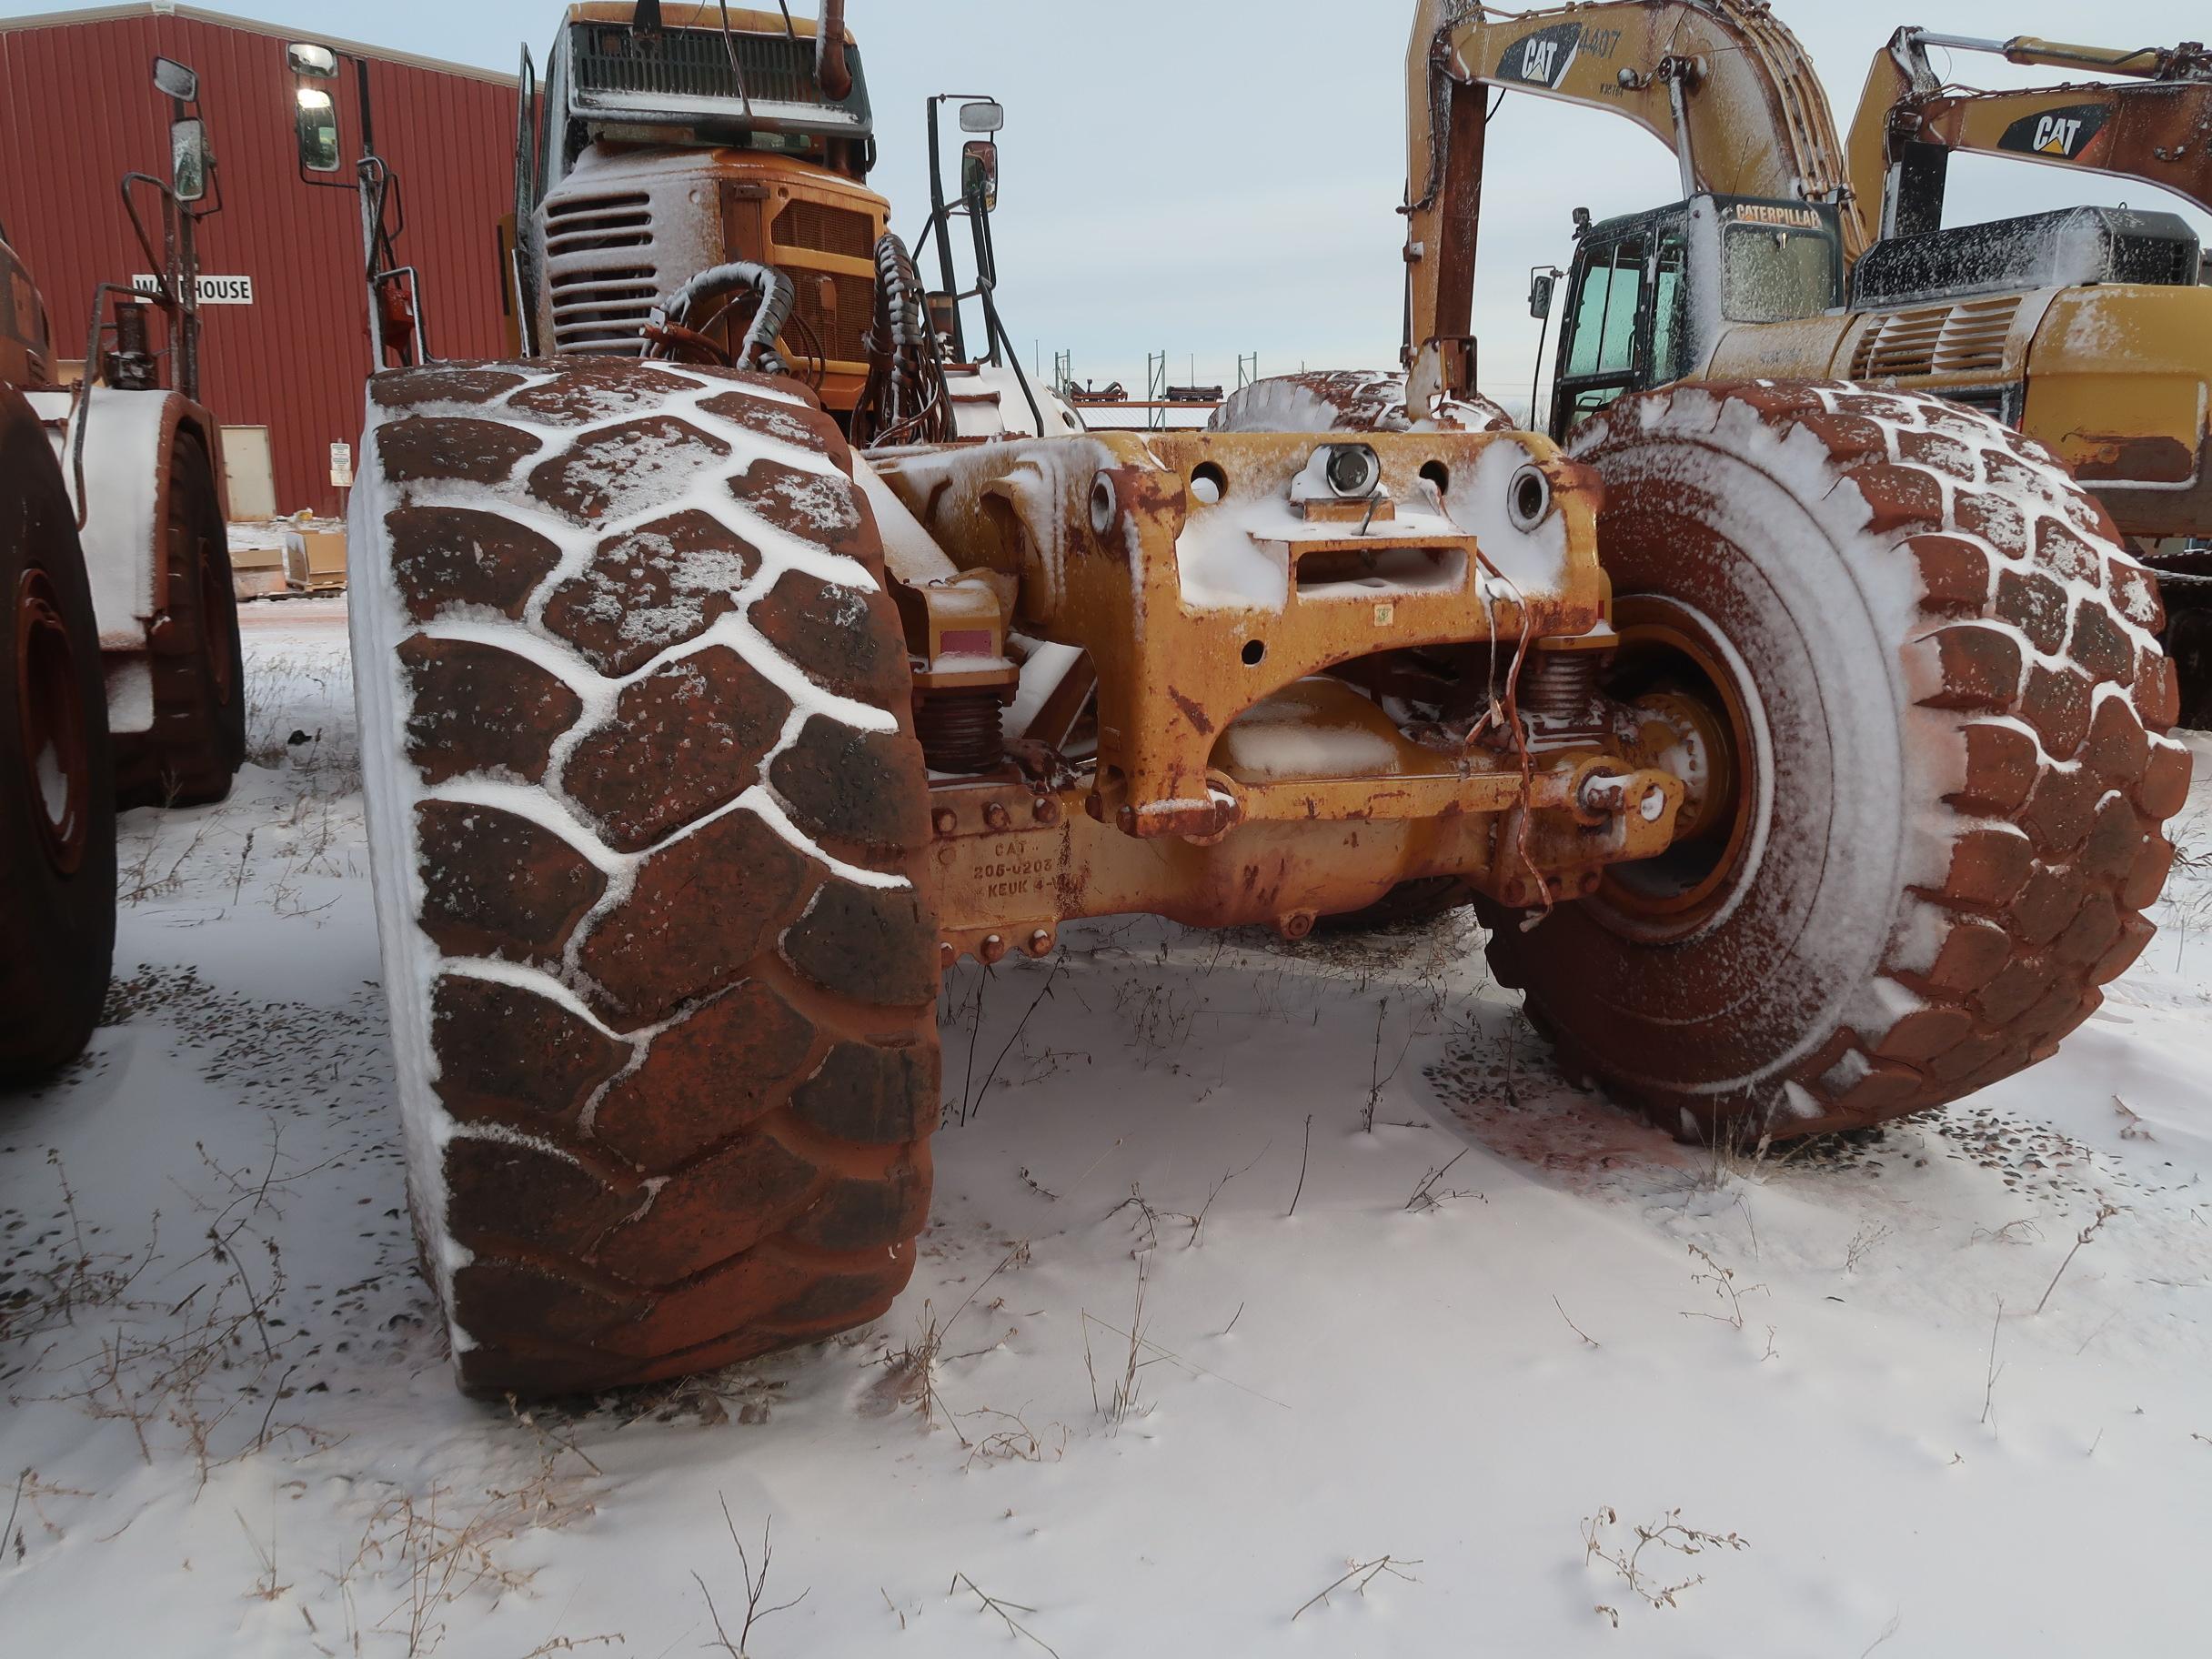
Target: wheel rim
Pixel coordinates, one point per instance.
(1674, 668)
(57, 761)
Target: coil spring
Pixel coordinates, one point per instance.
(1559, 695)
(962, 731)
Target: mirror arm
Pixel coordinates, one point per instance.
(940, 222)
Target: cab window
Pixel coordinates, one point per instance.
(1604, 336)
(1774, 275)
(1671, 311)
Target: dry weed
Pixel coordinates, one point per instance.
(2106, 1211)
(1120, 1399)
(1362, 1574)
(434, 1551)
(1864, 1244)
(755, 1589)
(1626, 1556)
(1005, 1610)
(1722, 1281)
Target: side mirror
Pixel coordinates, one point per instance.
(172, 79)
(983, 116)
(1542, 287)
(318, 122)
(189, 159)
(305, 59)
(979, 172)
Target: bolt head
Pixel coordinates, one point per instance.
(948, 954)
(1040, 941)
(1048, 809)
(997, 816)
(946, 822)
(993, 948)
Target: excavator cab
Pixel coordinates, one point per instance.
(1649, 293)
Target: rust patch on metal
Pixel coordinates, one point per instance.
(1192, 712)
(2123, 458)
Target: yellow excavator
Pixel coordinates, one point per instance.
(2153, 124)
(2088, 330)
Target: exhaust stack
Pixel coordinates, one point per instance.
(829, 65)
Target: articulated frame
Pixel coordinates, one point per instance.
(1211, 583)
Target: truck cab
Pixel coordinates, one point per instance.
(663, 147)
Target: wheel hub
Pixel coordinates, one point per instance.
(1675, 673)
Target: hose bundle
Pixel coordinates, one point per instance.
(906, 400)
(681, 322)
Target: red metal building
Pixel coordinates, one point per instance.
(78, 111)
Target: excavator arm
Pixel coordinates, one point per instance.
(2154, 125)
(1722, 83)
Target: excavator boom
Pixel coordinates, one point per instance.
(1722, 83)
(2154, 125)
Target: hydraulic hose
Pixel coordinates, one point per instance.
(716, 289)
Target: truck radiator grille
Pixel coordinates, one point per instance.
(693, 64)
(826, 230)
(1966, 338)
(600, 273)
(839, 308)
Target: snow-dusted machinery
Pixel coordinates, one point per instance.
(1798, 255)
(2118, 380)
(704, 726)
(1912, 666)
(119, 663)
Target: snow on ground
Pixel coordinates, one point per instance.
(1426, 1341)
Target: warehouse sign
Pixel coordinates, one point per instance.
(213, 290)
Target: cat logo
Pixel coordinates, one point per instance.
(1541, 59)
(2056, 134)
(1767, 213)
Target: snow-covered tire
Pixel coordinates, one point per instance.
(194, 749)
(57, 810)
(647, 818)
(1942, 665)
(1343, 400)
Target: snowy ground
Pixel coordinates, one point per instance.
(1892, 1401)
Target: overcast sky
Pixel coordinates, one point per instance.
(1216, 178)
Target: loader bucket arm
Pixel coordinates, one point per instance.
(2155, 126)
(1721, 83)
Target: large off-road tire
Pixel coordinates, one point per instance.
(58, 812)
(648, 818)
(1940, 669)
(196, 743)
